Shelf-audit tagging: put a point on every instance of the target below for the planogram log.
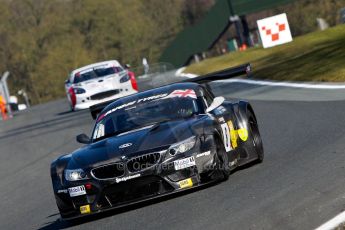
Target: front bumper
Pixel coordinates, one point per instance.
(113, 196)
(159, 180)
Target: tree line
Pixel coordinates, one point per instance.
(41, 41)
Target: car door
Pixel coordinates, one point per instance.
(224, 122)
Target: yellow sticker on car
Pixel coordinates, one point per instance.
(186, 183)
(233, 135)
(85, 209)
(243, 134)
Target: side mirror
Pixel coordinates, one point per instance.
(83, 138)
(217, 101)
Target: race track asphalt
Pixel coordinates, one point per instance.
(300, 185)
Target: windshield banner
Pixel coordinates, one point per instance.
(176, 93)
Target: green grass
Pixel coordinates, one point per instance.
(318, 56)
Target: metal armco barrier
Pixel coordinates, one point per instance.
(5, 92)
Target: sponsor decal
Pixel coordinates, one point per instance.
(183, 93)
(152, 98)
(125, 145)
(243, 134)
(274, 30)
(231, 135)
(186, 183)
(62, 191)
(85, 209)
(226, 137)
(118, 180)
(203, 154)
(77, 191)
(133, 103)
(184, 163)
(176, 93)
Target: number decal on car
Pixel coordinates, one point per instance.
(231, 135)
(226, 137)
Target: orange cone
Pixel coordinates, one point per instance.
(3, 109)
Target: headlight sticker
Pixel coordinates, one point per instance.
(182, 146)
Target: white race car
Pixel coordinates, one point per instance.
(97, 83)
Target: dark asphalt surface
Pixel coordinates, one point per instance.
(300, 185)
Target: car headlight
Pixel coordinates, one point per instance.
(124, 79)
(182, 146)
(75, 174)
(79, 90)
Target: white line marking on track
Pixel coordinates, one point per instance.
(333, 223)
(179, 72)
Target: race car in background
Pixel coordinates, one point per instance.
(97, 83)
(154, 143)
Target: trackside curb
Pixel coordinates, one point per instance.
(305, 85)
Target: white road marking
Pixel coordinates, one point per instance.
(286, 84)
(180, 73)
(333, 223)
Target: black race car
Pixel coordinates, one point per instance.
(155, 143)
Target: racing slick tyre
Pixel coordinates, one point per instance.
(255, 135)
(222, 161)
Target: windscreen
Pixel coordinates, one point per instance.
(139, 115)
(97, 72)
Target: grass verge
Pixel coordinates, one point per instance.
(318, 56)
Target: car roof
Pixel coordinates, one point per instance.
(110, 63)
(153, 92)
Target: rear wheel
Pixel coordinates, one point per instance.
(256, 138)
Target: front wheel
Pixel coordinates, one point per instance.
(256, 137)
(222, 161)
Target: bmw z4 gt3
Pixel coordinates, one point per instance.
(155, 143)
